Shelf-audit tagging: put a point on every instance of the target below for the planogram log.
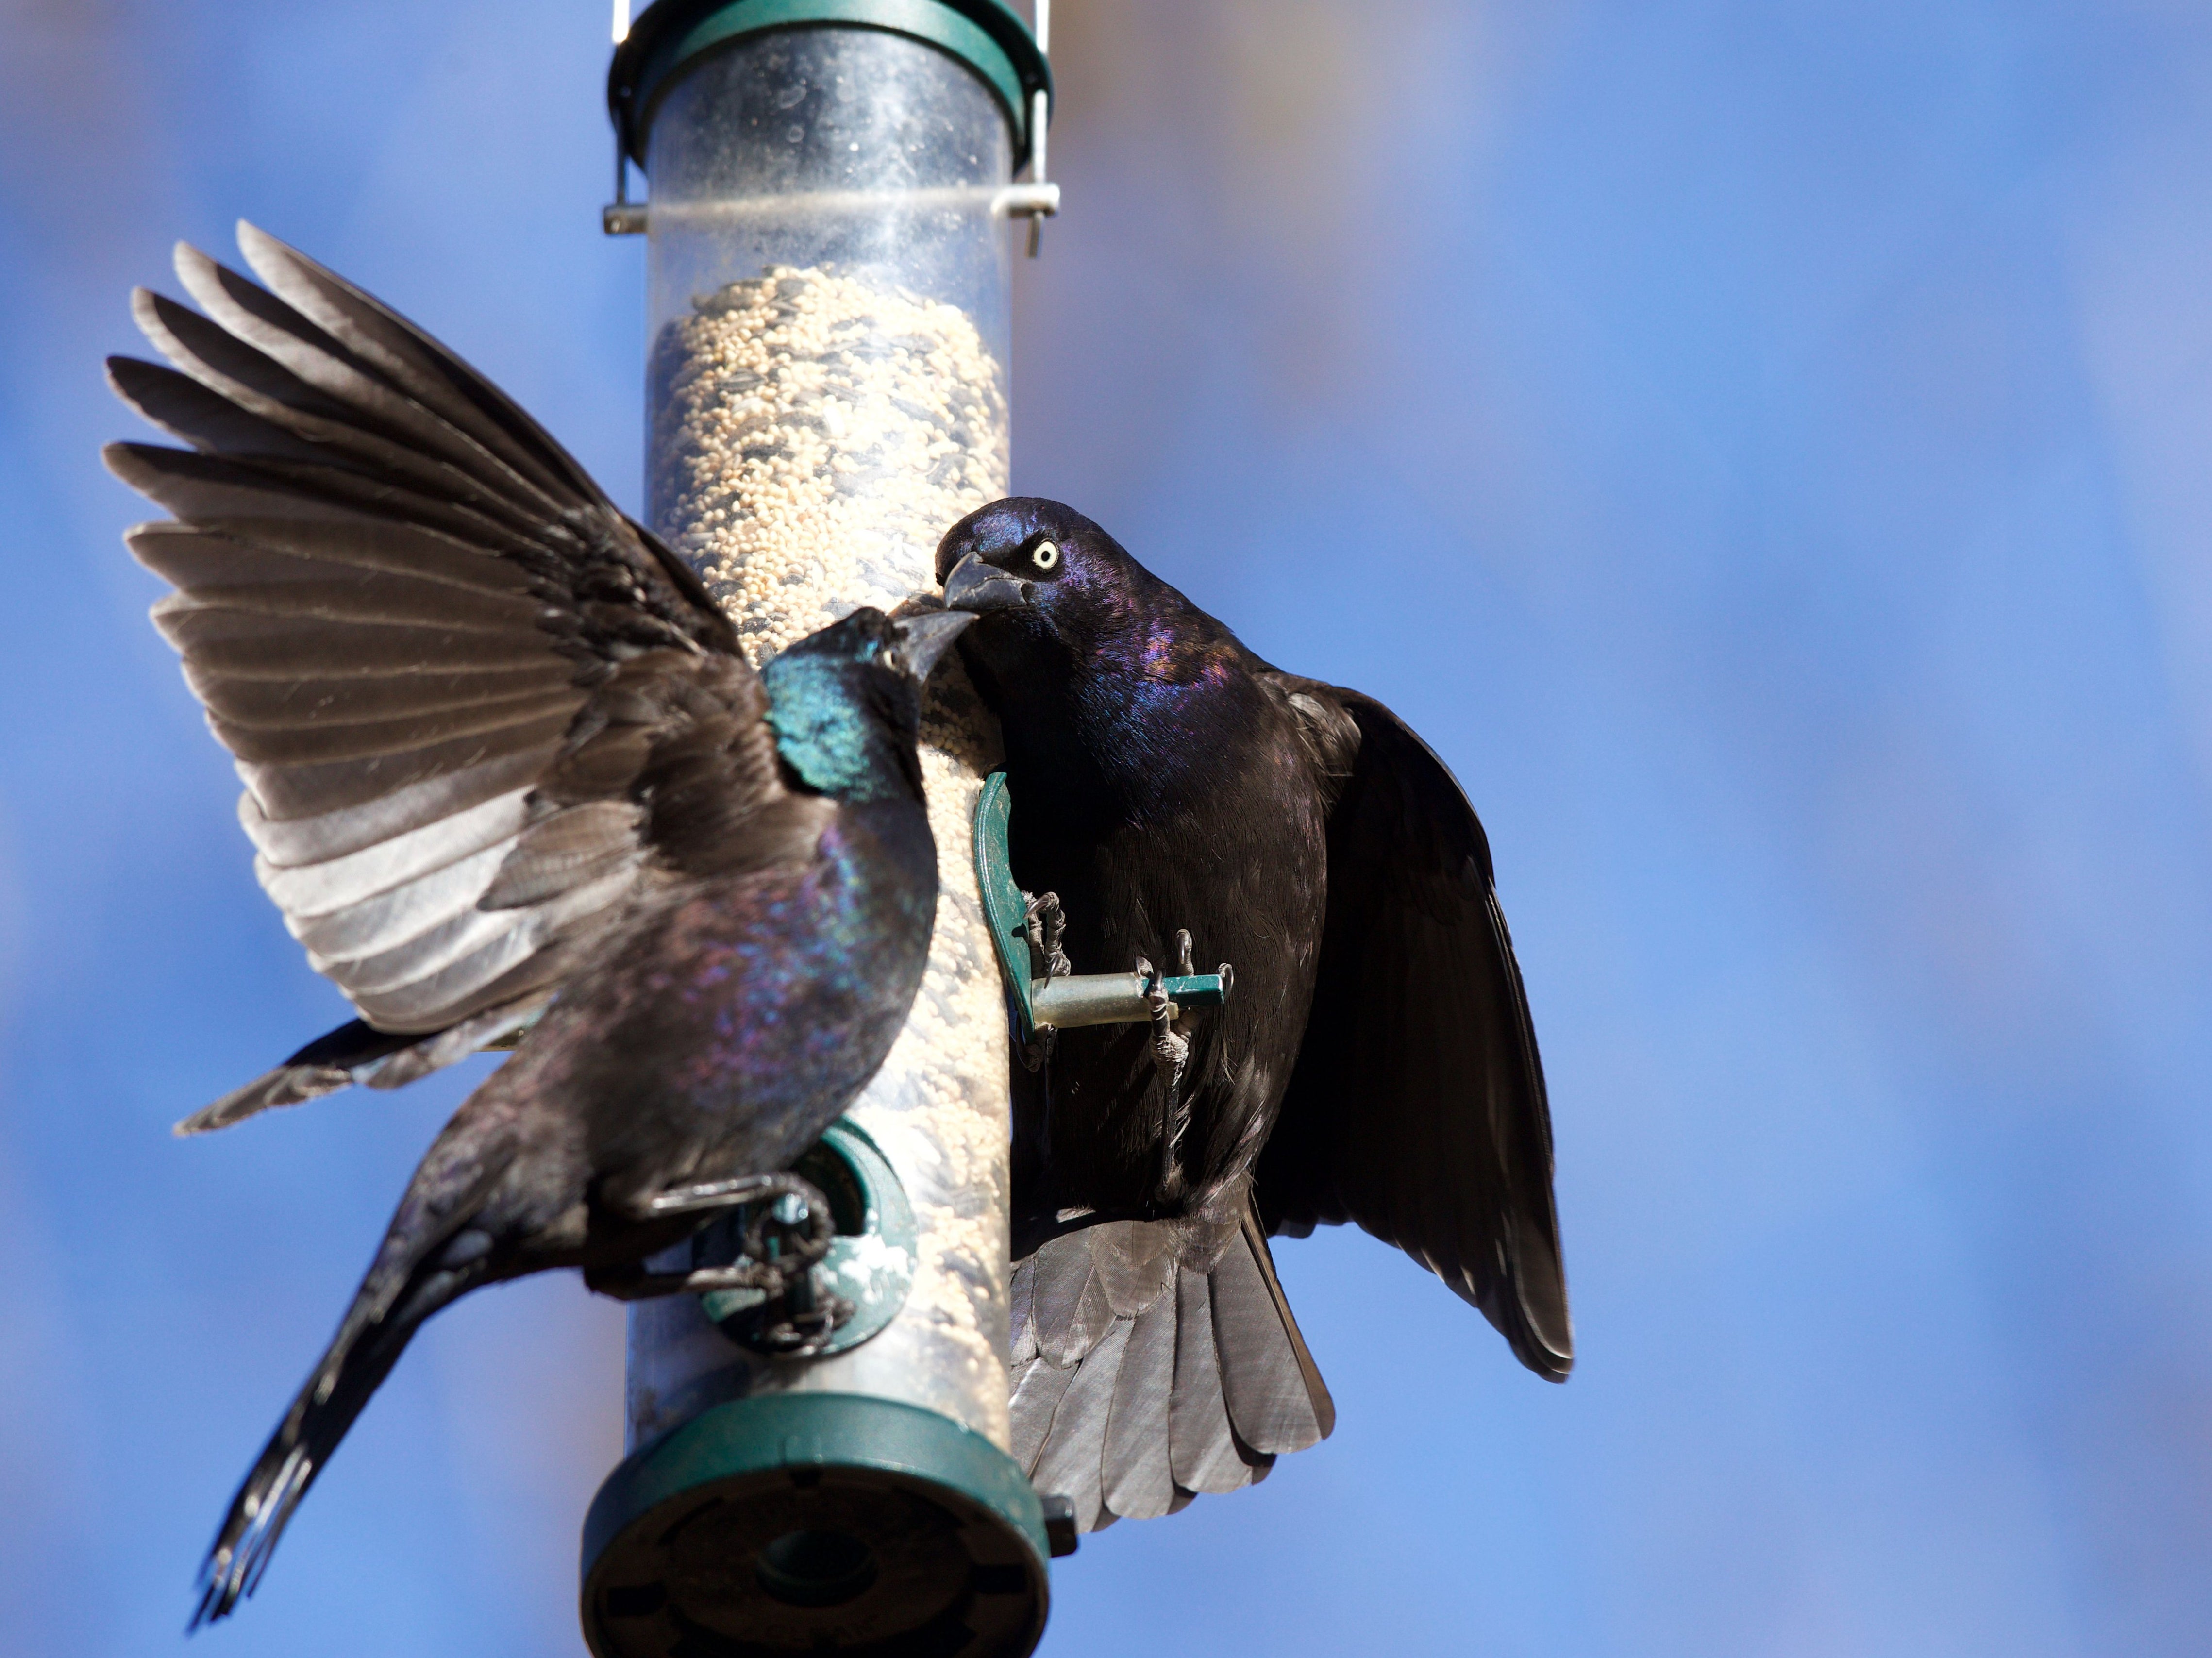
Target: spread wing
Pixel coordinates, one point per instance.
(473, 705)
(1417, 1107)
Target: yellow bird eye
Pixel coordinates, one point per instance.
(1045, 556)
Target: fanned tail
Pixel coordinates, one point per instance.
(1140, 1383)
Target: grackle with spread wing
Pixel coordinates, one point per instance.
(503, 758)
(1375, 1062)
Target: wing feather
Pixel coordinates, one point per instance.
(467, 936)
(324, 886)
(387, 920)
(288, 843)
(282, 703)
(305, 789)
(209, 490)
(459, 685)
(264, 552)
(1418, 1106)
(492, 973)
(437, 427)
(429, 371)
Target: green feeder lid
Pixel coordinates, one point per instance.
(668, 36)
(806, 1524)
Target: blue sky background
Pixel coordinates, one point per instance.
(1764, 445)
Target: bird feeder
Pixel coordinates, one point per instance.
(827, 230)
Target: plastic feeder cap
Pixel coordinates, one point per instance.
(672, 34)
(812, 1523)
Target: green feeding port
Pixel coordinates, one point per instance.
(812, 1522)
(871, 1261)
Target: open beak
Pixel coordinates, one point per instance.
(972, 584)
(924, 636)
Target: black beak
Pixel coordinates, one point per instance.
(972, 584)
(924, 638)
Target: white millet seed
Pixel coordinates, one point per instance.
(813, 438)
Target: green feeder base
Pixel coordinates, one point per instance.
(810, 1523)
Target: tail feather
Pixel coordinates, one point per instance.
(1275, 1405)
(1203, 1448)
(429, 1257)
(1134, 1473)
(1038, 1388)
(1140, 1382)
(1070, 1463)
(357, 1052)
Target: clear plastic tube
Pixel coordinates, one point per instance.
(830, 293)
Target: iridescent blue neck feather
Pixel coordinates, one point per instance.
(838, 723)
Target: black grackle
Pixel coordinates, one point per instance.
(1375, 1062)
(504, 757)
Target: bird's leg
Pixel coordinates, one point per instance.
(1170, 1051)
(1047, 929)
(798, 1317)
(729, 1193)
(780, 1266)
(1182, 1107)
(1046, 926)
(635, 1284)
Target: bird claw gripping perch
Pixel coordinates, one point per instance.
(780, 1245)
(787, 1227)
(1170, 1053)
(1046, 925)
(1047, 928)
(1027, 932)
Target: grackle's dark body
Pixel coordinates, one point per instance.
(504, 761)
(1158, 787)
(1374, 1063)
(724, 1023)
(720, 1031)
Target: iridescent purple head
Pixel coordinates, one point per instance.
(1077, 643)
(1040, 567)
(1044, 576)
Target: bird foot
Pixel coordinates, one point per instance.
(780, 1244)
(798, 1323)
(789, 1229)
(635, 1284)
(1170, 1053)
(1036, 1053)
(1047, 929)
(1169, 1049)
(729, 1193)
(795, 1318)
(1046, 926)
